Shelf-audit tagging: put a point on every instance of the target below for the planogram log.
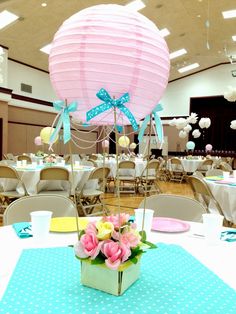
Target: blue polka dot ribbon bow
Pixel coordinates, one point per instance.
(109, 103)
(63, 119)
(158, 124)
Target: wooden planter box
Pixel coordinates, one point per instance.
(111, 281)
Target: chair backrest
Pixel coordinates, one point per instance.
(20, 209)
(175, 206)
(91, 162)
(99, 173)
(54, 173)
(224, 166)
(67, 159)
(24, 157)
(7, 172)
(203, 193)
(92, 157)
(10, 156)
(214, 172)
(207, 162)
(126, 164)
(152, 165)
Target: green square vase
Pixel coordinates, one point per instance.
(111, 281)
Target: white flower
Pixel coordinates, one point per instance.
(233, 124)
(196, 133)
(183, 134)
(204, 123)
(192, 118)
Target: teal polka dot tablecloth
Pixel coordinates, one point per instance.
(172, 281)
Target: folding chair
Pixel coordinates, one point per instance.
(90, 195)
(20, 209)
(126, 177)
(149, 177)
(175, 206)
(54, 180)
(11, 184)
(177, 172)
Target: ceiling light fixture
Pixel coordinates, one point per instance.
(7, 18)
(234, 37)
(164, 32)
(136, 5)
(229, 14)
(46, 49)
(178, 53)
(44, 4)
(188, 67)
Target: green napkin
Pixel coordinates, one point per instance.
(23, 229)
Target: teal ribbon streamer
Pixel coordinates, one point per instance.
(158, 124)
(109, 103)
(64, 119)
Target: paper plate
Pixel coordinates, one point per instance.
(165, 224)
(67, 224)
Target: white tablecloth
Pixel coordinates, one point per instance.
(226, 196)
(140, 164)
(221, 259)
(30, 177)
(189, 165)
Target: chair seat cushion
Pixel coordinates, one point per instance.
(129, 178)
(12, 194)
(64, 193)
(90, 192)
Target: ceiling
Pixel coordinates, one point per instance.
(185, 19)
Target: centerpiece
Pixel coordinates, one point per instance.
(110, 250)
(50, 159)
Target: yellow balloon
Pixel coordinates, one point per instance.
(46, 133)
(124, 141)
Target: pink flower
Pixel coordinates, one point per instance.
(91, 227)
(90, 244)
(116, 253)
(130, 239)
(116, 221)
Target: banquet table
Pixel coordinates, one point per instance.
(189, 165)
(224, 192)
(140, 164)
(30, 177)
(219, 259)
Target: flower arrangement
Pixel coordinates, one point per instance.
(39, 153)
(113, 240)
(51, 159)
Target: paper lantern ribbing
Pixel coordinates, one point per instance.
(46, 133)
(38, 141)
(190, 145)
(196, 133)
(110, 47)
(124, 141)
(183, 134)
(208, 148)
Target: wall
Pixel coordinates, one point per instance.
(40, 82)
(211, 82)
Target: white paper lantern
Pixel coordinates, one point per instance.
(172, 122)
(192, 118)
(230, 95)
(233, 124)
(204, 123)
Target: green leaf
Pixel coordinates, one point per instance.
(134, 260)
(81, 233)
(81, 259)
(97, 260)
(151, 245)
(143, 235)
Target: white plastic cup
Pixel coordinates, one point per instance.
(212, 224)
(226, 174)
(234, 173)
(77, 163)
(18, 163)
(34, 164)
(40, 221)
(139, 216)
(24, 162)
(63, 162)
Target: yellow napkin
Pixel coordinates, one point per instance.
(67, 224)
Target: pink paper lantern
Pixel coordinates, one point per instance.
(208, 147)
(105, 143)
(38, 141)
(110, 47)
